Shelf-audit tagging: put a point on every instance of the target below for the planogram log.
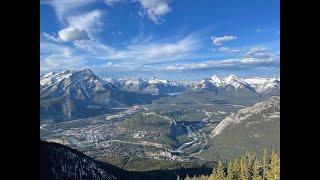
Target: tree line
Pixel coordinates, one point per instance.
(247, 167)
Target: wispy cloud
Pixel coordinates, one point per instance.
(112, 2)
(254, 57)
(143, 53)
(258, 53)
(228, 64)
(89, 21)
(50, 37)
(65, 8)
(229, 50)
(56, 56)
(220, 40)
(95, 49)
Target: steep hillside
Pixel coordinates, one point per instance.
(61, 162)
(252, 128)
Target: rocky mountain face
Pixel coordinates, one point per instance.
(76, 94)
(81, 85)
(269, 110)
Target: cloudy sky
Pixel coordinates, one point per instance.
(172, 39)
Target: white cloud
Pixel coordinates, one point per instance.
(155, 9)
(72, 34)
(229, 50)
(220, 40)
(73, 14)
(259, 30)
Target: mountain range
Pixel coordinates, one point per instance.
(152, 85)
(70, 94)
(255, 86)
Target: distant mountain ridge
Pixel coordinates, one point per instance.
(152, 85)
(254, 85)
(162, 86)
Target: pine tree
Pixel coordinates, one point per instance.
(250, 161)
(203, 177)
(243, 169)
(178, 177)
(231, 173)
(265, 163)
(212, 176)
(256, 170)
(236, 168)
(274, 167)
(188, 178)
(218, 172)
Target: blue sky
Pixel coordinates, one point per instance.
(172, 39)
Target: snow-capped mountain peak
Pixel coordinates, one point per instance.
(235, 81)
(264, 84)
(232, 77)
(216, 79)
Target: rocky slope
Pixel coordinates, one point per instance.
(253, 128)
